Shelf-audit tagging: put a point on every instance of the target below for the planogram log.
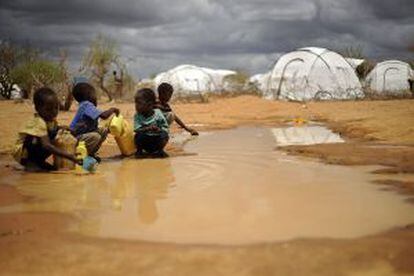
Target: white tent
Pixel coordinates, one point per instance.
(354, 62)
(389, 76)
(218, 76)
(187, 80)
(15, 93)
(313, 74)
(260, 81)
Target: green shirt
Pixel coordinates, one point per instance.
(156, 119)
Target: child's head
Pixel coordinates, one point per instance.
(165, 91)
(144, 100)
(46, 103)
(84, 92)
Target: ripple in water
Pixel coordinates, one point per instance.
(236, 190)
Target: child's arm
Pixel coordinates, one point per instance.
(67, 128)
(140, 127)
(54, 150)
(107, 113)
(181, 124)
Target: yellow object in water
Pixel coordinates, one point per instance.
(124, 135)
(299, 121)
(81, 153)
(116, 125)
(65, 141)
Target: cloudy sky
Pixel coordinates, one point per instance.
(156, 35)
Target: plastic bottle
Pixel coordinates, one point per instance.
(81, 153)
(65, 141)
(116, 125)
(123, 134)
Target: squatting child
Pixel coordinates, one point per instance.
(35, 142)
(150, 126)
(165, 92)
(84, 125)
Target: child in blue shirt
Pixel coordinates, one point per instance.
(150, 126)
(84, 125)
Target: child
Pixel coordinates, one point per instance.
(84, 125)
(150, 126)
(34, 145)
(165, 92)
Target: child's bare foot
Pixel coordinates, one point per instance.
(140, 154)
(159, 154)
(193, 132)
(44, 167)
(97, 158)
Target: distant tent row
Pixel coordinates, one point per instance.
(305, 74)
(320, 74)
(190, 80)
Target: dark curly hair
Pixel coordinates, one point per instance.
(165, 88)
(82, 91)
(147, 95)
(41, 94)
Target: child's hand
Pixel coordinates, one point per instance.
(193, 132)
(66, 128)
(116, 111)
(77, 160)
(154, 128)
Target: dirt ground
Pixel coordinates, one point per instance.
(376, 133)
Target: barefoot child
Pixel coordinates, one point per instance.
(150, 126)
(165, 91)
(35, 143)
(84, 125)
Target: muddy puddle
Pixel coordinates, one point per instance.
(235, 190)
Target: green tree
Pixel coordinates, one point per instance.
(98, 60)
(12, 56)
(36, 74)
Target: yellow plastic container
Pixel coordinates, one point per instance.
(299, 121)
(64, 141)
(123, 134)
(81, 153)
(116, 125)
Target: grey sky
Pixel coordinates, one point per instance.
(160, 34)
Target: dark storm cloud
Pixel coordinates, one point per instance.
(244, 34)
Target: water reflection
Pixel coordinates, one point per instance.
(146, 181)
(305, 135)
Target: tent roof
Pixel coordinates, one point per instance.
(354, 62)
(315, 50)
(392, 61)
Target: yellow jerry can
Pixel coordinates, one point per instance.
(64, 141)
(81, 153)
(123, 134)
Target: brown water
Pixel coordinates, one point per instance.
(236, 190)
